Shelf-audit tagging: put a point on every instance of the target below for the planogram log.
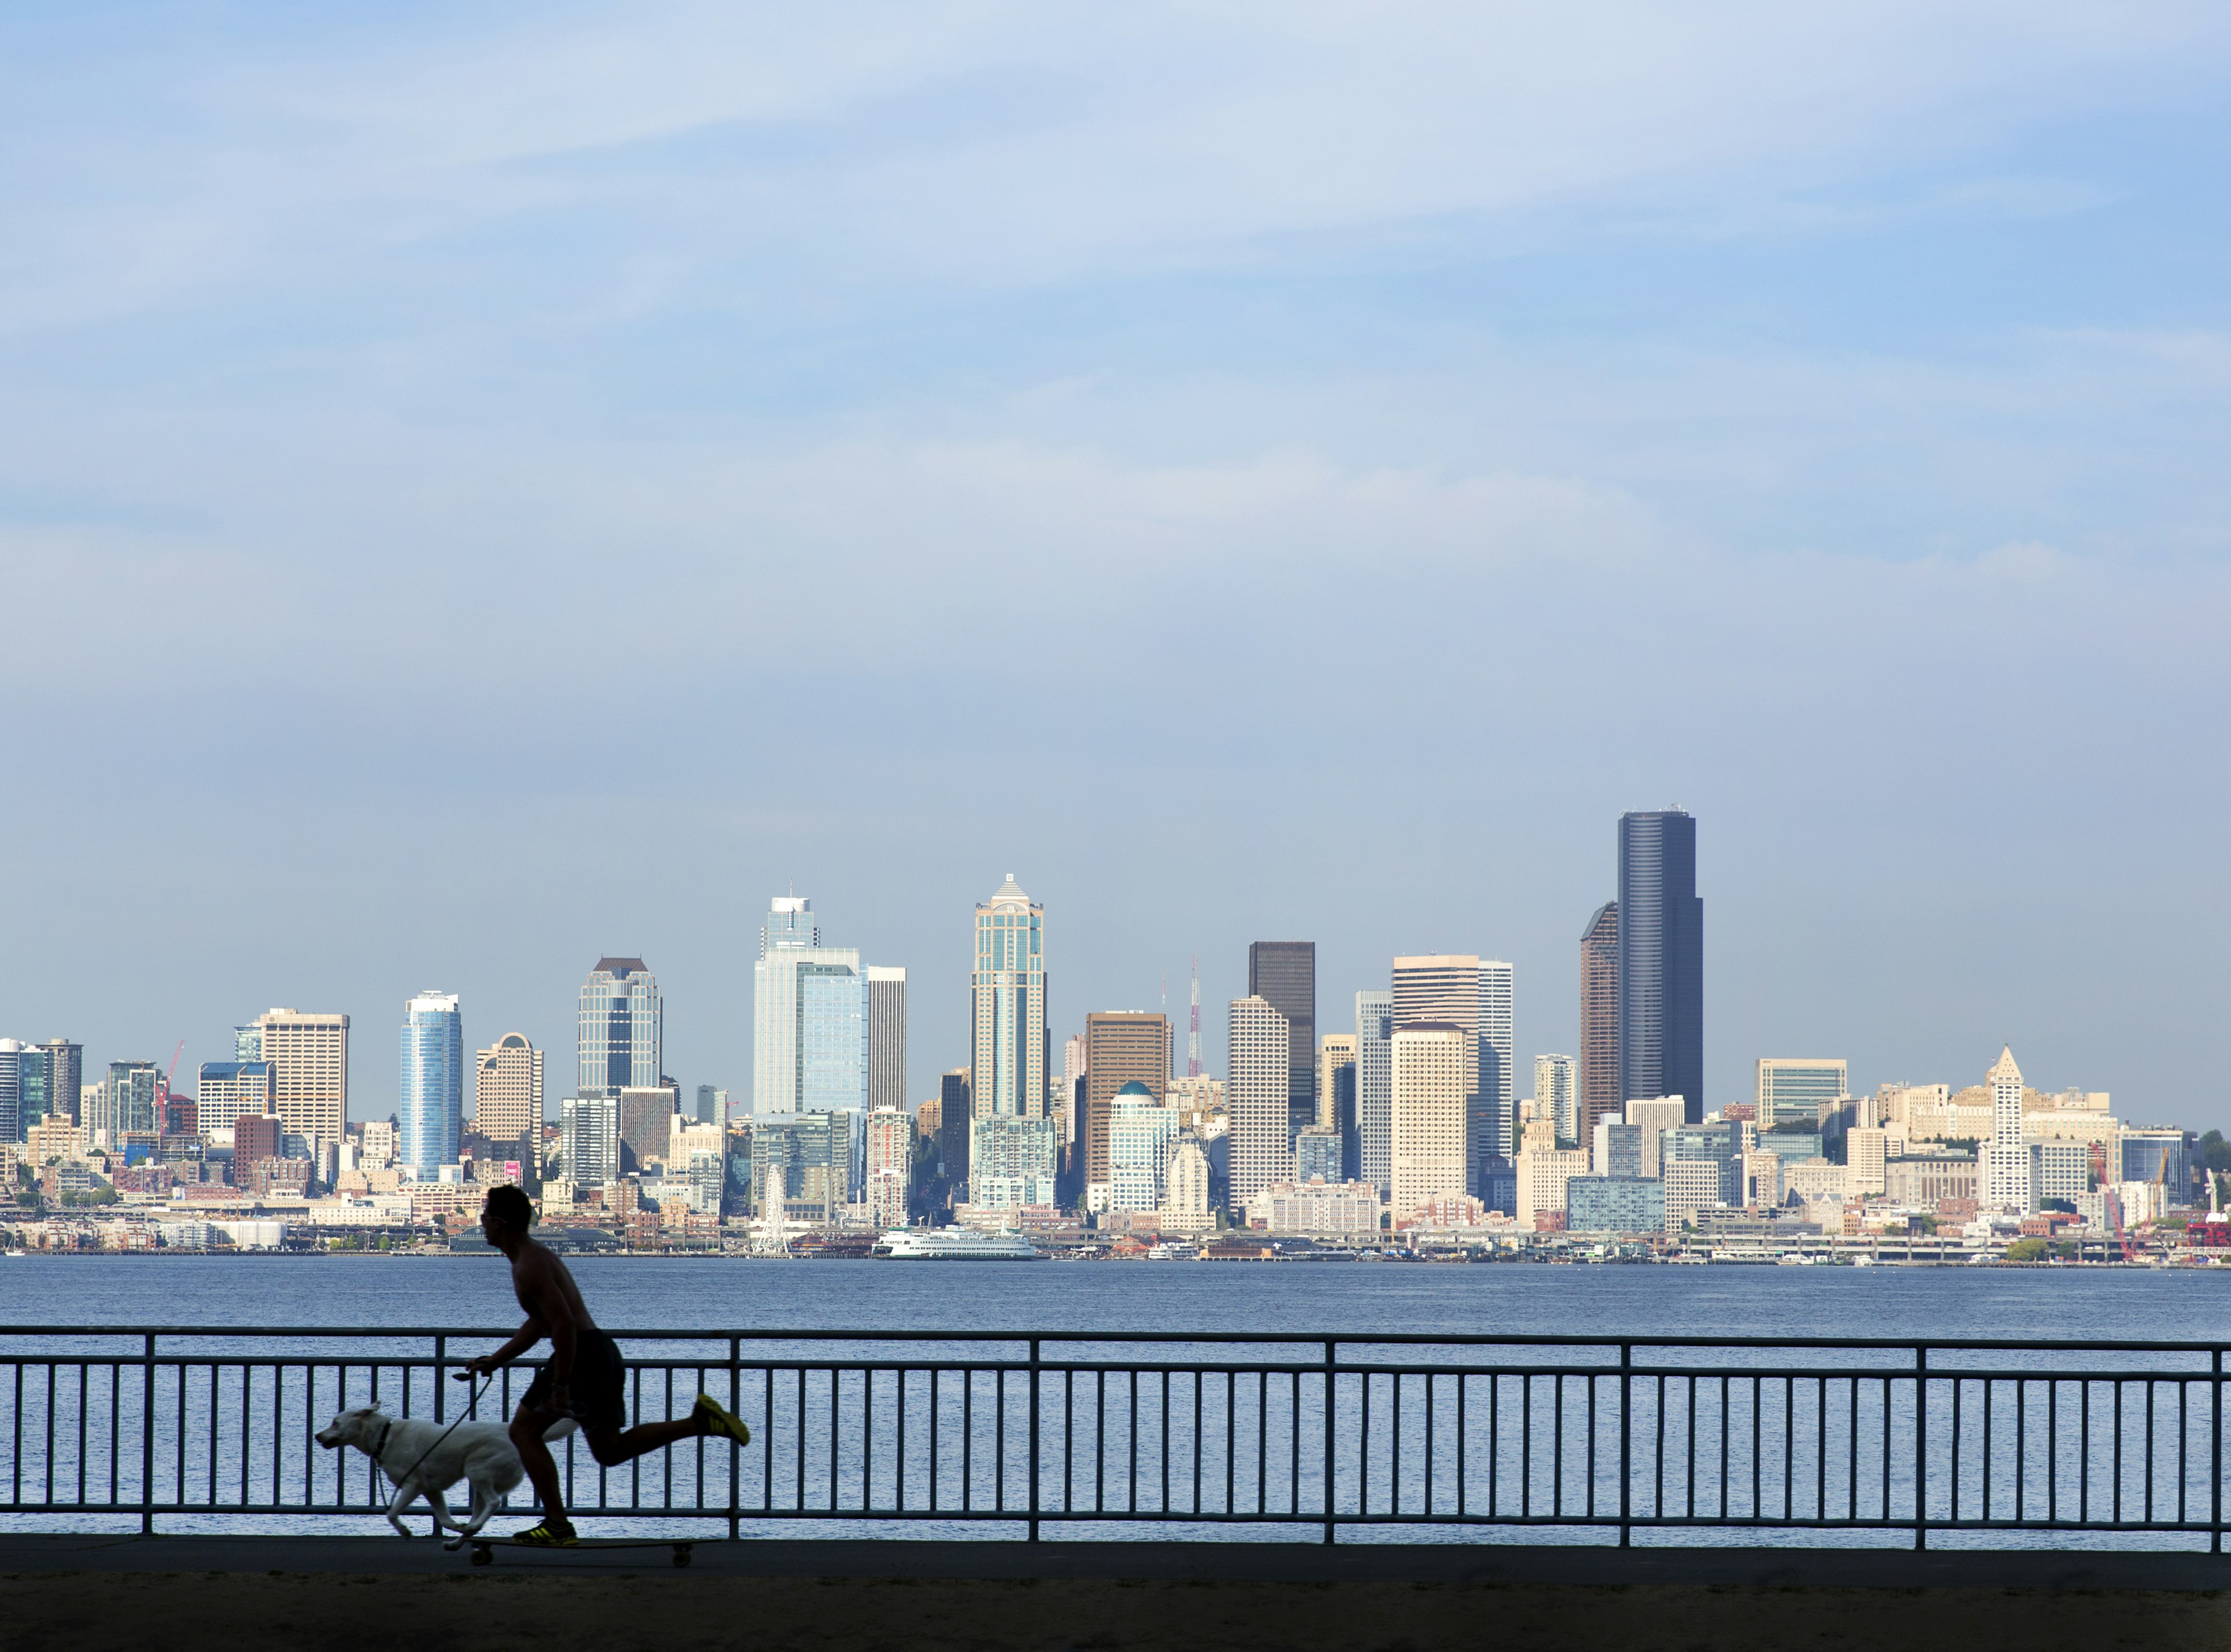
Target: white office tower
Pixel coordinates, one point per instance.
(1141, 1133)
(1185, 1194)
(1554, 1095)
(591, 1126)
(809, 1018)
(1256, 1100)
(1497, 1068)
(1866, 1151)
(1375, 1086)
(1430, 1065)
(1657, 1115)
(2005, 1166)
(887, 1037)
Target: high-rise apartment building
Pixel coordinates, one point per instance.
(1496, 1111)
(646, 1125)
(248, 1042)
(508, 1089)
(890, 1161)
(308, 1053)
(1375, 1087)
(1793, 1088)
(228, 1091)
(1142, 1132)
(1554, 1091)
(712, 1105)
(2004, 1162)
(1258, 1097)
(1121, 1046)
(887, 1038)
(22, 1090)
(429, 1110)
(954, 1113)
(1657, 1115)
(1335, 1054)
(591, 1134)
(1597, 1080)
(65, 1078)
(1661, 959)
(1007, 1022)
(1435, 1066)
(124, 1103)
(1337, 1103)
(1456, 988)
(1284, 974)
(618, 1040)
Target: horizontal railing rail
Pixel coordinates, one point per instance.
(1774, 1438)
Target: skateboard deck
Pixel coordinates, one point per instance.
(484, 1548)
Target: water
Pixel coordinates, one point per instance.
(231, 1434)
(1350, 1299)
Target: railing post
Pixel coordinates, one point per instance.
(1920, 1446)
(736, 1452)
(441, 1356)
(148, 1439)
(1328, 1442)
(1626, 1439)
(2216, 1427)
(1034, 1440)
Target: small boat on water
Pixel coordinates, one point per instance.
(954, 1244)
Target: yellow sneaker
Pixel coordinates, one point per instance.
(543, 1535)
(720, 1420)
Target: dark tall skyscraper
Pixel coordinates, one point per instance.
(1661, 960)
(1598, 1089)
(1284, 974)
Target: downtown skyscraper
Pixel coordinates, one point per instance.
(1284, 974)
(429, 1113)
(1661, 960)
(1007, 1051)
(619, 1031)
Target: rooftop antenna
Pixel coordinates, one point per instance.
(1193, 1037)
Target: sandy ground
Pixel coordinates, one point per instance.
(493, 1612)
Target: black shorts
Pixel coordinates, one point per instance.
(598, 1387)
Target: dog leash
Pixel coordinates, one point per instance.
(463, 1377)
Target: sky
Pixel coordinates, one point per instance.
(486, 486)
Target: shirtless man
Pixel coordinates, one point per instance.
(585, 1379)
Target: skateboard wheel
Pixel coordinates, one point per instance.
(483, 1554)
(681, 1554)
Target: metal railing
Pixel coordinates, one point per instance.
(1778, 1440)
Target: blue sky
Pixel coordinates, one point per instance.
(482, 486)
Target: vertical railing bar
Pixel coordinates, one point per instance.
(1330, 1507)
(934, 1396)
(1200, 1439)
(147, 1438)
(2120, 1407)
(735, 1451)
(1464, 1426)
(1589, 1381)
(1557, 1445)
(1526, 1446)
(2022, 1449)
(1034, 1439)
(968, 1440)
(1231, 1441)
(1262, 1438)
(1429, 1445)
(1725, 1490)
(999, 1439)
(1958, 1383)
(1626, 1443)
(2216, 1431)
(1921, 1445)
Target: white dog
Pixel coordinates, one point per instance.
(425, 1459)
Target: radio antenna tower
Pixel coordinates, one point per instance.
(1192, 1038)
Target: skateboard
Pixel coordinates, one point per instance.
(484, 1548)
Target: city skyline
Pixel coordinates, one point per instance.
(364, 1086)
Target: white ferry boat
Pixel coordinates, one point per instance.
(954, 1244)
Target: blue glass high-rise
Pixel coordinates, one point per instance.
(429, 1115)
(1661, 960)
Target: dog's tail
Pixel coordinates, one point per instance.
(561, 1429)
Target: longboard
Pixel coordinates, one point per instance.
(484, 1548)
